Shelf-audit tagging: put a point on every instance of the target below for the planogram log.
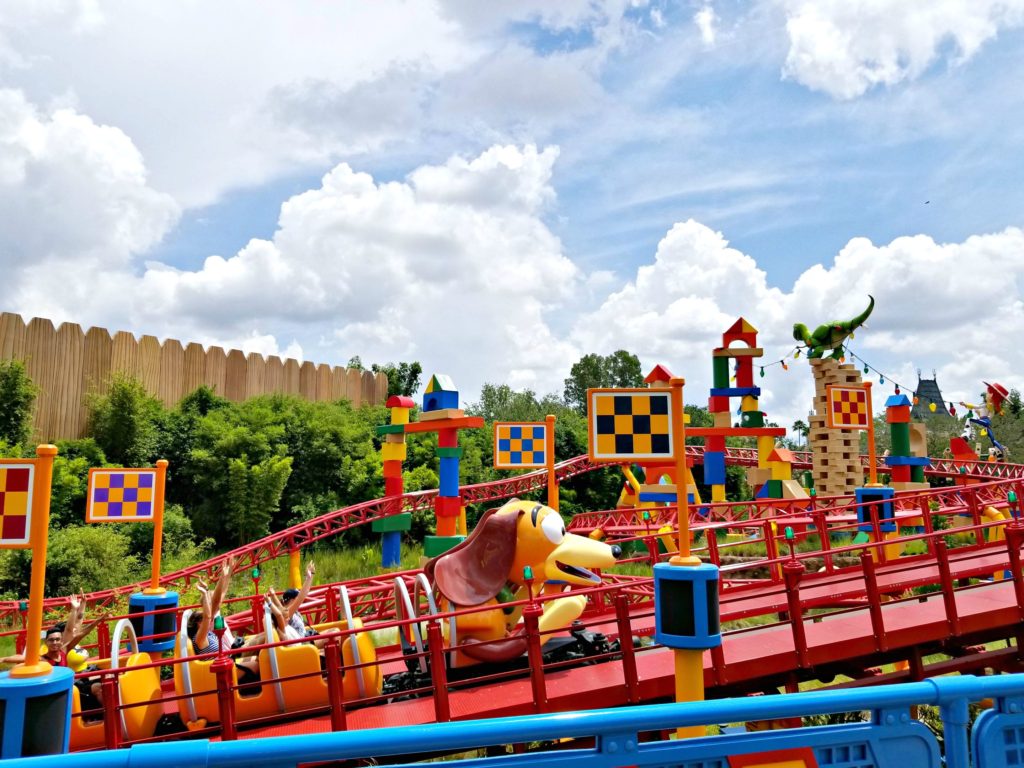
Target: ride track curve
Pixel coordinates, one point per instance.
(330, 524)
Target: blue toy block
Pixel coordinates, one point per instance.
(391, 549)
(762, 492)
(735, 392)
(440, 400)
(897, 401)
(714, 468)
(908, 461)
(884, 506)
(686, 606)
(449, 485)
(36, 713)
(155, 631)
(667, 497)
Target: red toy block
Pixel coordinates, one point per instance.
(393, 486)
(900, 474)
(448, 438)
(447, 506)
(714, 443)
(744, 373)
(898, 414)
(392, 469)
(718, 404)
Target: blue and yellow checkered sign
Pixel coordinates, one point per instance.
(120, 496)
(630, 424)
(520, 445)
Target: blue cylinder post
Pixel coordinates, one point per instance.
(163, 625)
(36, 713)
(686, 606)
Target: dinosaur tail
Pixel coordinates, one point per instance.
(859, 319)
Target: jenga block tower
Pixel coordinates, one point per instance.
(836, 466)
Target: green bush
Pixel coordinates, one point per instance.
(126, 422)
(17, 396)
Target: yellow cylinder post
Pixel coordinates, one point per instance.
(689, 686)
(33, 666)
(461, 525)
(549, 450)
(892, 551)
(158, 528)
(295, 569)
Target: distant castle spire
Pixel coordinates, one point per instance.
(928, 391)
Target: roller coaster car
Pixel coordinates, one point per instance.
(511, 547)
(196, 681)
(135, 687)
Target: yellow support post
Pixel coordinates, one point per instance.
(34, 666)
(158, 528)
(295, 569)
(549, 450)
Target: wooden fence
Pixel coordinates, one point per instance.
(67, 364)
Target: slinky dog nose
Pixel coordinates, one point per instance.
(616, 551)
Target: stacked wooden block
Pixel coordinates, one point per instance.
(836, 452)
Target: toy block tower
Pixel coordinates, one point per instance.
(908, 455)
(782, 485)
(393, 451)
(722, 359)
(835, 452)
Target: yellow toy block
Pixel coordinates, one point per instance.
(717, 493)
(765, 445)
(781, 470)
(400, 415)
(748, 403)
(393, 451)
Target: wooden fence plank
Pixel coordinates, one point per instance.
(99, 348)
(369, 387)
(274, 380)
(172, 373)
(380, 391)
(216, 370)
(125, 354)
(355, 386)
(149, 363)
(195, 369)
(40, 359)
(234, 376)
(12, 336)
(291, 377)
(307, 380)
(339, 383)
(323, 382)
(69, 407)
(255, 375)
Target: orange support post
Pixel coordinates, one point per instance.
(158, 528)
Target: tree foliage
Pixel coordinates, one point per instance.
(403, 378)
(17, 396)
(126, 422)
(619, 369)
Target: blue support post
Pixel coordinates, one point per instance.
(155, 631)
(36, 713)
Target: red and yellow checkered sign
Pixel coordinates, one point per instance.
(520, 445)
(120, 496)
(629, 424)
(16, 482)
(848, 407)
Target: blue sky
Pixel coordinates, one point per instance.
(497, 190)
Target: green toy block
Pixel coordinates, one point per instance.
(720, 371)
(391, 429)
(808, 479)
(752, 419)
(775, 489)
(438, 545)
(900, 439)
(402, 522)
(917, 474)
(450, 453)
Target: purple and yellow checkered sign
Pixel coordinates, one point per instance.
(120, 496)
(520, 445)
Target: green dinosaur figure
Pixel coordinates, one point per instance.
(832, 335)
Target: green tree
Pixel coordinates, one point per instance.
(403, 378)
(126, 422)
(802, 430)
(17, 396)
(254, 495)
(619, 369)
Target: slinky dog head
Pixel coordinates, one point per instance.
(507, 540)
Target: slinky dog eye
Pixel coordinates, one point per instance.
(553, 528)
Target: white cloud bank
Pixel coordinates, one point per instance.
(455, 266)
(846, 47)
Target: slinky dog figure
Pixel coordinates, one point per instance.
(488, 569)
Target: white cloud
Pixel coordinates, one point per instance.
(930, 312)
(73, 196)
(847, 47)
(706, 19)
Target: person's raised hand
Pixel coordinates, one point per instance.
(310, 569)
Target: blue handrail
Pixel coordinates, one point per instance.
(891, 737)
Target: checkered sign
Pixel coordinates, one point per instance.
(520, 445)
(16, 479)
(120, 496)
(629, 424)
(848, 408)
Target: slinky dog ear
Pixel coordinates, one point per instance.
(474, 571)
